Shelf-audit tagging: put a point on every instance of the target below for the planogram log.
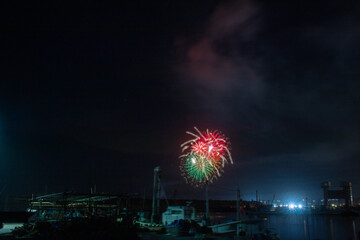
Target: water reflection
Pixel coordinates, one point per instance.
(331, 228)
(354, 229)
(308, 227)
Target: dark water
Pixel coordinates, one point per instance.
(299, 227)
(308, 227)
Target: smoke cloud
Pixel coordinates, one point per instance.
(216, 59)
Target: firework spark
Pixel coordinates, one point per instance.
(204, 156)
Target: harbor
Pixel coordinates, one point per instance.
(97, 215)
(179, 120)
(54, 215)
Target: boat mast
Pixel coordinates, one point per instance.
(156, 194)
(207, 203)
(238, 205)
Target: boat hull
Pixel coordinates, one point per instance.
(224, 228)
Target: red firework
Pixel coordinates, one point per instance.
(211, 144)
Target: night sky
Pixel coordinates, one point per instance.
(102, 92)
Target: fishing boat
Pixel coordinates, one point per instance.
(245, 229)
(175, 213)
(179, 220)
(224, 228)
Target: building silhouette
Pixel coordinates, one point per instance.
(342, 191)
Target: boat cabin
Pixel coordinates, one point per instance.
(176, 213)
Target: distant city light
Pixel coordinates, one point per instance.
(291, 206)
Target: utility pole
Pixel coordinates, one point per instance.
(207, 203)
(238, 205)
(156, 194)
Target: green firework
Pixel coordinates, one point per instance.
(198, 168)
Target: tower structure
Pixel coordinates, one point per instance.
(345, 192)
(156, 195)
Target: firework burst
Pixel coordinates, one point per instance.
(204, 156)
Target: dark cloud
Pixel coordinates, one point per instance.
(215, 60)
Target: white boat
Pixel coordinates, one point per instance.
(176, 220)
(9, 227)
(245, 229)
(150, 226)
(175, 213)
(223, 228)
(234, 226)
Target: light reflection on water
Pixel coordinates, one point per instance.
(307, 227)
